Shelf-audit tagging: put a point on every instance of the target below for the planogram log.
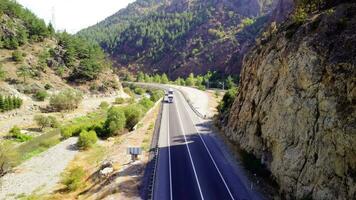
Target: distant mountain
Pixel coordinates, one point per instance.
(182, 36)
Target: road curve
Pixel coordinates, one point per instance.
(191, 164)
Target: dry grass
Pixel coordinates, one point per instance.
(123, 183)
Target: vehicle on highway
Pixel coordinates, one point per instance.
(170, 91)
(170, 98)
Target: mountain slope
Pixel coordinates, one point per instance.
(33, 55)
(178, 37)
(295, 111)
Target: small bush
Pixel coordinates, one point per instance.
(66, 100)
(87, 139)
(133, 115)
(104, 105)
(41, 95)
(119, 100)
(17, 56)
(45, 122)
(73, 179)
(146, 103)
(15, 133)
(156, 95)
(139, 91)
(115, 121)
(128, 91)
(227, 100)
(47, 86)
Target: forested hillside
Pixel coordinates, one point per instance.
(31, 52)
(178, 37)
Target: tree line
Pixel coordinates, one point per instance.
(209, 80)
(8, 103)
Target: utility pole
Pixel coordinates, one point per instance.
(53, 20)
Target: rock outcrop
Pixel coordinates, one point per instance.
(296, 106)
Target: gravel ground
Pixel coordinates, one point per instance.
(39, 173)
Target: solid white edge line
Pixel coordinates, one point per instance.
(169, 157)
(211, 157)
(190, 156)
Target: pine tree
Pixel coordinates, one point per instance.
(1, 103)
(11, 103)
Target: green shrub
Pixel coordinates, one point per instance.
(17, 56)
(45, 122)
(156, 95)
(104, 105)
(41, 95)
(115, 121)
(66, 132)
(139, 91)
(47, 86)
(8, 157)
(74, 178)
(87, 139)
(119, 100)
(227, 100)
(128, 91)
(66, 100)
(15, 133)
(133, 115)
(146, 103)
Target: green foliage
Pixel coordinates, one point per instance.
(87, 139)
(24, 72)
(41, 95)
(93, 121)
(190, 81)
(8, 157)
(119, 100)
(73, 178)
(230, 83)
(45, 122)
(139, 91)
(15, 133)
(66, 100)
(47, 86)
(164, 79)
(133, 115)
(115, 122)
(91, 58)
(155, 95)
(146, 103)
(247, 22)
(17, 56)
(157, 78)
(227, 101)
(179, 81)
(31, 28)
(300, 15)
(9, 103)
(2, 73)
(128, 91)
(104, 105)
(140, 77)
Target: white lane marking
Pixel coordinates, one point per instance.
(190, 155)
(169, 157)
(211, 157)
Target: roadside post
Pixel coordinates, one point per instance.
(134, 152)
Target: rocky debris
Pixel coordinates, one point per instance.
(296, 106)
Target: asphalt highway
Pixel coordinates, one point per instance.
(191, 165)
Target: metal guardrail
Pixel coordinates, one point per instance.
(150, 172)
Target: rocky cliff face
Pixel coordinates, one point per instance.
(296, 106)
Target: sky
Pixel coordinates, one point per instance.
(74, 15)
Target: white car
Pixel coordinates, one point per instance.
(170, 98)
